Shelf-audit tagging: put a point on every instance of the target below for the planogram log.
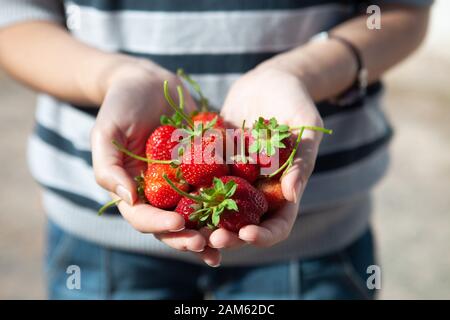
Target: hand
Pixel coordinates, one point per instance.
(133, 104)
(272, 92)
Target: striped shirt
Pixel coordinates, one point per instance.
(216, 41)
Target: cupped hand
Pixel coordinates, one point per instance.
(271, 92)
(133, 104)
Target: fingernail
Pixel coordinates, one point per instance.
(213, 265)
(178, 230)
(201, 250)
(124, 194)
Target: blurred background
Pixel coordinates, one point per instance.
(412, 207)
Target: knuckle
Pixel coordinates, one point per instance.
(197, 242)
(101, 176)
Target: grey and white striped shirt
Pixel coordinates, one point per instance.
(216, 41)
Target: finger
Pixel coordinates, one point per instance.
(273, 230)
(148, 219)
(291, 183)
(211, 257)
(294, 181)
(107, 164)
(186, 240)
(222, 238)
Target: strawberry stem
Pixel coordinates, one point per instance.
(194, 84)
(313, 128)
(108, 205)
(181, 192)
(290, 160)
(135, 156)
(173, 105)
(288, 164)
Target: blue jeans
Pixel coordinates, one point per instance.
(112, 274)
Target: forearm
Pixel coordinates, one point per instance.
(328, 68)
(46, 57)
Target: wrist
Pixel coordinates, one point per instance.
(122, 70)
(324, 67)
(294, 63)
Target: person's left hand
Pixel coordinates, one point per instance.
(271, 92)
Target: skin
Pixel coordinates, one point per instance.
(45, 57)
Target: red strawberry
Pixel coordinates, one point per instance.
(251, 205)
(248, 171)
(186, 207)
(230, 203)
(159, 144)
(157, 191)
(243, 166)
(282, 154)
(273, 193)
(202, 160)
(207, 117)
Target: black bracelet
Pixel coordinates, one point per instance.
(357, 90)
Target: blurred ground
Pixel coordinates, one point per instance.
(412, 217)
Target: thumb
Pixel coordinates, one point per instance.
(108, 169)
(291, 183)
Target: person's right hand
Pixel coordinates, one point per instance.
(133, 104)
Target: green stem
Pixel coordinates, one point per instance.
(135, 156)
(289, 161)
(194, 84)
(181, 192)
(172, 104)
(313, 128)
(106, 206)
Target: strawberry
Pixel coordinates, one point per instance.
(202, 161)
(157, 191)
(185, 208)
(207, 117)
(251, 205)
(271, 188)
(248, 171)
(160, 145)
(243, 166)
(230, 203)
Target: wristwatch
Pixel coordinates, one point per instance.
(357, 90)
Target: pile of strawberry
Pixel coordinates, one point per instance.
(193, 175)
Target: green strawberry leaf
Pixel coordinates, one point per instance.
(230, 188)
(254, 147)
(215, 219)
(279, 144)
(165, 120)
(218, 185)
(211, 123)
(230, 204)
(268, 136)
